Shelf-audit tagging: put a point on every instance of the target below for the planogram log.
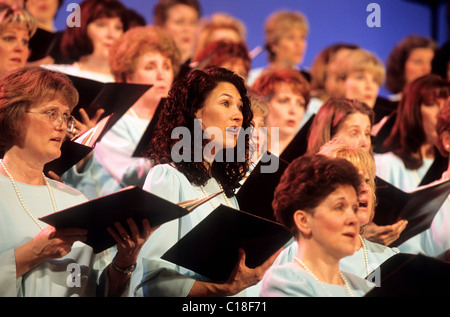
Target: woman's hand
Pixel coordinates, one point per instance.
(129, 244)
(86, 123)
(241, 278)
(384, 234)
(50, 243)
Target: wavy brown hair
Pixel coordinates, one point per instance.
(407, 134)
(186, 97)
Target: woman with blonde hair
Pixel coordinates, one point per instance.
(286, 35)
(17, 26)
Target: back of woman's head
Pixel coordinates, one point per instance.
(329, 118)
(307, 182)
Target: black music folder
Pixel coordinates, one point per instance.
(114, 98)
(74, 150)
(146, 138)
(211, 248)
(299, 144)
(256, 193)
(100, 213)
(411, 275)
(419, 207)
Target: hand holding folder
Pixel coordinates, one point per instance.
(74, 150)
(98, 214)
(114, 98)
(211, 248)
(418, 207)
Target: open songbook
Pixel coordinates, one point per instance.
(100, 213)
(74, 150)
(114, 98)
(211, 248)
(256, 194)
(419, 207)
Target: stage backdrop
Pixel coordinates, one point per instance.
(330, 21)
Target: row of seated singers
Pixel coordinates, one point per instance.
(369, 130)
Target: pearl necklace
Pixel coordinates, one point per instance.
(321, 283)
(223, 193)
(366, 257)
(19, 195)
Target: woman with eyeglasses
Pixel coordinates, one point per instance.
(37, 259)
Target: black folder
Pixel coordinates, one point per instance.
(419, 207)
(411, 275)
(114, 98)
(141, 147)
(211, 248)
(98, 214)
(256, 194)
(381, 131)
(298, 146)
(73, 151)
(44, 43)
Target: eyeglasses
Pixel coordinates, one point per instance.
(56, 117)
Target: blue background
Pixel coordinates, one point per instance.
(330, 21)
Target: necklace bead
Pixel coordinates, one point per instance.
(366, 257)
(19, 195)
(223, 193)
(347, 286)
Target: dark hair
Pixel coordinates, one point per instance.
(162, 7)
(407, 134)
(395, 66)
(329, 118)
(441, 61)
(443, 124)
(25, 88)
(308, 181)
(186, 96)
(75, 41)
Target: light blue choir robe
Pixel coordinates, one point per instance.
(434, 241)
(112, 166)
(157, 277)
(291, 280)
(50, 278)
(355, 263)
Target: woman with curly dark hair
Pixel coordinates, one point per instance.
(201, 123)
